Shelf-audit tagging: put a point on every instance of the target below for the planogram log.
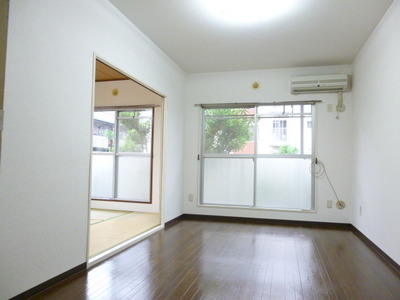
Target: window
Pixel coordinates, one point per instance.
(258, 156)
(279, 130)
(121, 158)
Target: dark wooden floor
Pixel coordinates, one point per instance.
(216, 260)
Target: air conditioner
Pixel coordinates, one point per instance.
(320, 84)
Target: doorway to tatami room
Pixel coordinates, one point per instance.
(126, 161)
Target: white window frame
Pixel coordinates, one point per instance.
(255, 156)
(116, 154)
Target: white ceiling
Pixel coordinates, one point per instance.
(314, 33)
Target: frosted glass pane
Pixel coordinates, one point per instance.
(307, 135)
(102, 176)
(134, 178)
(284, 183)
(228, 181)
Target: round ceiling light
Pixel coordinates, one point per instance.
(248, 11)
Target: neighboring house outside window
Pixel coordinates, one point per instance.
(279, 130)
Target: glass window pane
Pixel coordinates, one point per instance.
(229, 131)
(134, 131)
(270, 109)
(284, 183)
(293, 109)
(307, 109)
(102, 175)
(307, 135)
(279, 110)
(279, 136)
(228, 181)
(134, 177)
(103, 131)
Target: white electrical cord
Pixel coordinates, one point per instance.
(317, 169)
(340, 107)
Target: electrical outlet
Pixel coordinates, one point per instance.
(190, 198)
(329, 204)
(330, 107)
(360, 210)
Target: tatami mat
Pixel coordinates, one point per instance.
(121, 227)
(99, 215)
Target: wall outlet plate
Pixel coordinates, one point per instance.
(340, 204)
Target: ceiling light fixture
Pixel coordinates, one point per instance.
(247, 11)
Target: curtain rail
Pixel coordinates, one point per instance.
(253, 104)
(124, 108)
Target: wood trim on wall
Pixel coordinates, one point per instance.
(35, 290)
(4, 7)
(4, 10)
(174, 221)
(326, 225)
(384, 257)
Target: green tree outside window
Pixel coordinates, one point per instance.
(227, 130)
(138, 132)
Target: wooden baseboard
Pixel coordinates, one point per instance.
(173, 221)
(41, 287)
(326, 225)
(386, 258)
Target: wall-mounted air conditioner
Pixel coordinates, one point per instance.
(320, 84)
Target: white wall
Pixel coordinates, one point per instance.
(376, 104)
(333, 136)
(48, 99)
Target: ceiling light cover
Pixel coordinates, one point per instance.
(248, 11)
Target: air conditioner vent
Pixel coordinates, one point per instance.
(320, 84)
